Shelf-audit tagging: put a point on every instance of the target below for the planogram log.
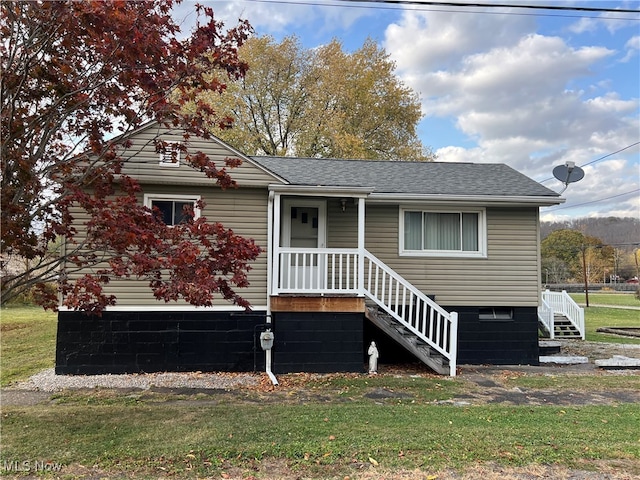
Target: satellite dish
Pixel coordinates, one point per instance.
(568, 173)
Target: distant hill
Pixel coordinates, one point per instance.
(618, 232)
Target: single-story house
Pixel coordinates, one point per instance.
(441, 260)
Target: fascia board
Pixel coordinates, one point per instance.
(322, 191)
(542, 201)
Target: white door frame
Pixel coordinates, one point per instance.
(308, 276)
(288, 203)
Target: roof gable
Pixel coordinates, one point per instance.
(142, 161)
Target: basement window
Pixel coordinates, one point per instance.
(500, 314)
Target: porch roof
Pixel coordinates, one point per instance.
(408, 178)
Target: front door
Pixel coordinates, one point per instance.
(303, 228)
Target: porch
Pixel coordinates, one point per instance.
(354, 280)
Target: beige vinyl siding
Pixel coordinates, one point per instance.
(342, 227)
(243, 210)
(507, 277)
(143, 163)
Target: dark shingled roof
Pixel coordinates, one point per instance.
(427, 178)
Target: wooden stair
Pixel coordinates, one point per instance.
(408, 340)
(563, 328)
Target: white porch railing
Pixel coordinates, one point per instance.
(561, 303)
(321, 270)
(348, 271)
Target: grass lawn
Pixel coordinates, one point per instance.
(191, 440)
(596, 317)
(27, 342)
(607, 298)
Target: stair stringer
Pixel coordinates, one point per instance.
(408, 340)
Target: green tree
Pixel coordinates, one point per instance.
(323, 102)
(564, 246)
(554, 270)
(580, 253)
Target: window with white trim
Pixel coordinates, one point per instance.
(175, 209)
(443, 232)
(169, 154)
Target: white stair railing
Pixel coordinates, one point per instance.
(561, 303)
(545, 315)
(412, 308)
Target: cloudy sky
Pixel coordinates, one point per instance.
(529, 88)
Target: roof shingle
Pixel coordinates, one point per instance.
(427, 178)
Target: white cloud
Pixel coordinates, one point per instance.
(263, 17)
(584, 25)
(632, 47)
(611, 21)
(513, 91)
(281, 18)
(440, 40)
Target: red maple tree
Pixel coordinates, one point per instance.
(74, 75)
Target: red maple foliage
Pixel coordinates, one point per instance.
(76, 78)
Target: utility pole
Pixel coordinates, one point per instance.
(584, 272)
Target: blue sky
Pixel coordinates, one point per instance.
(529, 88)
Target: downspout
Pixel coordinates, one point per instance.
(361, 245)
(267, 359)
(267, 368)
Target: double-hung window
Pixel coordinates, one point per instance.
(442, 232)
(175, 209)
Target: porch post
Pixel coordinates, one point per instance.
(361, 249)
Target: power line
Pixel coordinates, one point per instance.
(599, 159)
(613, 153)
(499, 5)
(428, 6)
(593, 201)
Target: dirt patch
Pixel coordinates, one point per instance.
(7, 327)
(527, 396)
(599, 350)
(23, 397)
